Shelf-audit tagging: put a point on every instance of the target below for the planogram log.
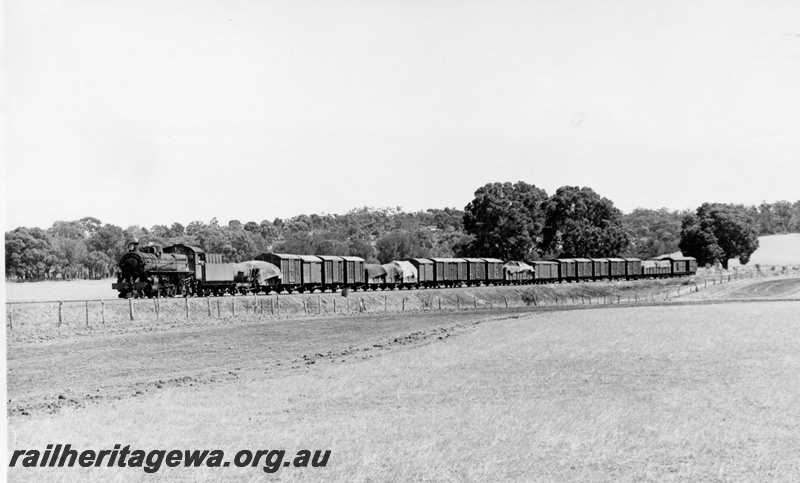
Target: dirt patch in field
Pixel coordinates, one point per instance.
(106, 365)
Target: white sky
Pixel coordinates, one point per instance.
(151, 111)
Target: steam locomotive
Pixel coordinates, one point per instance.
(185, 270)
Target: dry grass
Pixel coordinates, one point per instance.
(62, 290)
(630, 394)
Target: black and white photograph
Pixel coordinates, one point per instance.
(401, 240)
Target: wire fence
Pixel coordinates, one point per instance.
(98, 312)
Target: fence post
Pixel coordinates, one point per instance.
(385, 307)
(155, 307)
(219, 314)
(505, 299)
(319, 304)
(10, 318)
(60, 305)
(458, 303)
(87, 313)
(233, 306)
(440, 303)
(404, 304)
(103, 311)
(305, 307)
(475, 300)
(130, 308)
(208, 305)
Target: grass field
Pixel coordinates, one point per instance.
(701, 393)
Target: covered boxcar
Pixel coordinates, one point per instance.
(476, 271)
(424, 271)
(616, 267)
(332, 272)
(449, 272)
(311, 272)
(583, 268)
(353, 271)
(633, 268)
(600, 268)
(547, 272)
(494, 271)
(566, 269)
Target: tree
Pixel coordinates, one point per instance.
(298, 244)
(68, 229)
(718, 232)
(783, 216)
(30, 253)
(463, 246)
(794, 224)
(360, 248)
(766, 219)
(71, 256)
(90, 225)
(652, 232)
(506, 220)
(99, 264)
(108, 239)
(581, 223)
(399, 245)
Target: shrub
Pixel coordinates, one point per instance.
(529, 297)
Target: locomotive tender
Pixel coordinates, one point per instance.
(185, 270)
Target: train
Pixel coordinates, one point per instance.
(183, 270)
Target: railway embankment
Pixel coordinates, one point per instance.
(47, 320)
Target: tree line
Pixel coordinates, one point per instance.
(508, 221)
